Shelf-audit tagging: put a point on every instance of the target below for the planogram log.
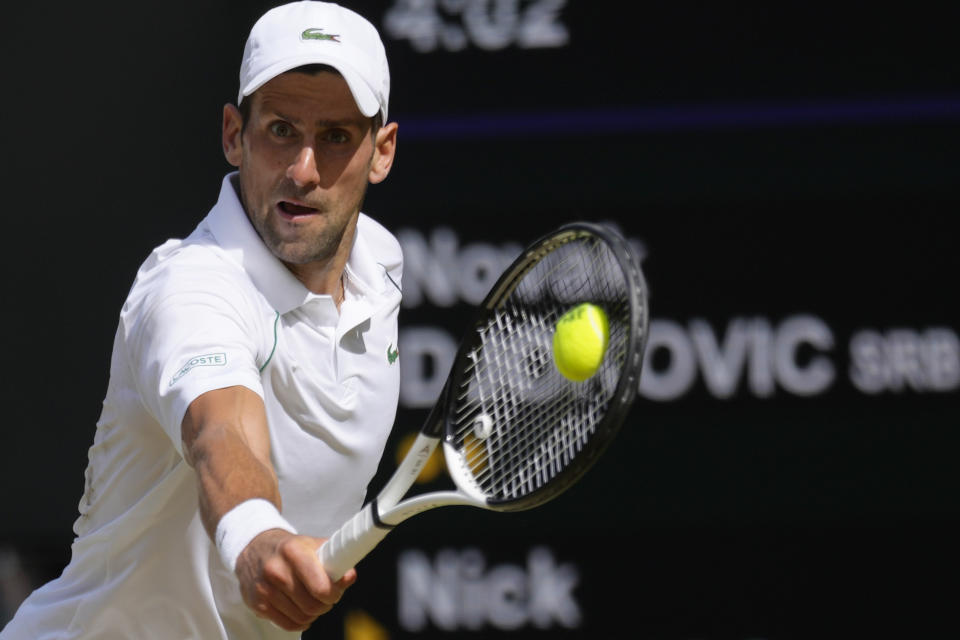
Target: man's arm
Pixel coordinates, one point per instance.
(227, 442)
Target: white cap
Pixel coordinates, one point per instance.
(309, 32)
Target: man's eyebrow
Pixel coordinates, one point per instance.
(349, 122)
(277, 113)
(324, 123)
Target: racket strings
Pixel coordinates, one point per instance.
(519, 423)
(531, 457)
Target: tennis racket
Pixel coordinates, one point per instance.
(516, 433)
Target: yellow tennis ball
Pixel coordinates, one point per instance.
(580, 341)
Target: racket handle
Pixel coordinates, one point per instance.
(355, 539)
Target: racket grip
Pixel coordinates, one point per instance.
(354, 540)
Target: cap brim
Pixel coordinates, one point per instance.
(363, 95)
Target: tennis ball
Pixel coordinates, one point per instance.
(580, 341)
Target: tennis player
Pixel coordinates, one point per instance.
(254, 377)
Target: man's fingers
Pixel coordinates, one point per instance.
(347, 579)
(268, 612)
(283, 577)
(317, 585)
(296, 573)
(285, 581)
(283, 608)
(300, 597)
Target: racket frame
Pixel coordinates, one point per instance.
(349, 544)
(441, 425)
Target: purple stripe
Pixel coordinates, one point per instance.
(703, 117)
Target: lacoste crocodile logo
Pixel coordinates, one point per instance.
(317, 34)
(392, 354)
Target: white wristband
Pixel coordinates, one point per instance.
(242, 524)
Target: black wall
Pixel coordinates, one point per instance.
(789, 175)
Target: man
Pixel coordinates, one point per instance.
(250, 374)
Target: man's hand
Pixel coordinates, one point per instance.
(227, 442)
(282, 580)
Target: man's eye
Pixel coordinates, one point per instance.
(281, 129)
(338, 137)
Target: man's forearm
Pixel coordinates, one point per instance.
(226, 441)
(229, 473)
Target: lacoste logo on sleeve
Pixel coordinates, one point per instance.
(392, 354)
(206, 360)
(317, 34)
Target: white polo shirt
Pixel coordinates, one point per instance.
(211, 311)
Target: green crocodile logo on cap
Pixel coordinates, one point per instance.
(392, 354)
(317, 34)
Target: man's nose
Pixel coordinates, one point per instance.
(303, 170)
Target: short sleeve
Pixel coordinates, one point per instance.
(195, 333)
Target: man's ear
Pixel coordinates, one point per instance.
(232, 134)
(384, 151)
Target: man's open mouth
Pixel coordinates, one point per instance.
(292, 209)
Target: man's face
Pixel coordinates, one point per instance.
(305, 158)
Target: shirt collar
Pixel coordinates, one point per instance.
(235, 234)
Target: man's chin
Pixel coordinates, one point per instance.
(291, 256)
(301, 253)
(301, 249)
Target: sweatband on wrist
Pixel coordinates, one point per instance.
(242, 524)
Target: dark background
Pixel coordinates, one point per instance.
(772, 161)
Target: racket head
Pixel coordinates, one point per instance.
(516, 432)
